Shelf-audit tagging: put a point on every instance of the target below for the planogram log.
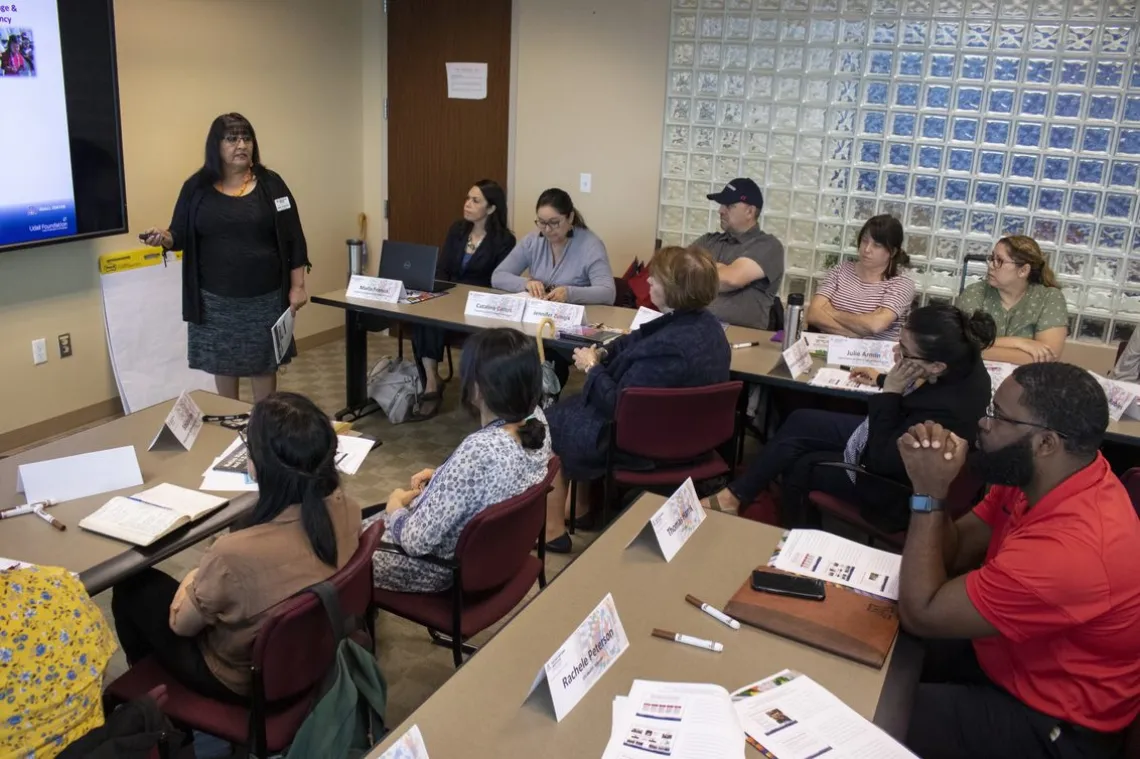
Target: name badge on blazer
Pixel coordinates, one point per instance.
(282, 204)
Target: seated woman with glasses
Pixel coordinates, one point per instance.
(501, 387)
(1021, 293)
(684, 348)
(563, 260)
(867, 298)
(938, 376)
(301, 531)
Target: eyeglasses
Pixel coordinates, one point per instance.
(551, 224)
(909, 357)
(233, 138)
(994, 415)
(996, 262)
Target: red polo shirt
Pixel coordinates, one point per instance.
(1061, 583)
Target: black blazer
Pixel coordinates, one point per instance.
(272, 191)
(956, 402)
(490, 253)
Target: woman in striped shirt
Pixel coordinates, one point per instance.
(868, 298)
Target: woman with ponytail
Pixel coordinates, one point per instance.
(938, 376)
(300, 532)
(501, 385)
(1022, 295)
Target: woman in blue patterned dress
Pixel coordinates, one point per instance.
(501, 384)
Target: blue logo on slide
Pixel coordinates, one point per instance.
(41, 221)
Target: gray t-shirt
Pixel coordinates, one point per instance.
(751, 305)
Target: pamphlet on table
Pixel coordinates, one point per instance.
(790, 716)
(229, 472)
(682, 720)
(409, 746)
(840, 379)
(827, 557)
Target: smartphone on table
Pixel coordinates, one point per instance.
(789, 585)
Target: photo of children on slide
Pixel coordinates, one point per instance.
(19, 52)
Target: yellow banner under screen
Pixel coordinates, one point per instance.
(109, 263)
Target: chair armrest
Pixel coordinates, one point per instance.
(399, 551)
(860, 472)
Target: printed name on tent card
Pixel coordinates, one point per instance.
(376, 288)
(850, 351)
(675, 522)
(495, 306)
(181, 427)
(562, 314)
(581, 661)
(1120, 396)
(798, 358)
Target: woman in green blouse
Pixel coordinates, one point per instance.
(1022, 295)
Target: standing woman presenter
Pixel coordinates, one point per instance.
(244, 259)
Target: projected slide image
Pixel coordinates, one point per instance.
(19, 56)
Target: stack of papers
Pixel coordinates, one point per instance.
(840, 379)
(827, 557)
(676, 720)
(790, 716)
(350, 454)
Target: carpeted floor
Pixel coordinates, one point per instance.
(413, 666)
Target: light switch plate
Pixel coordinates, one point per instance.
(39, 351)
(585, 182)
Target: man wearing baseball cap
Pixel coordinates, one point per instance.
(750, 262)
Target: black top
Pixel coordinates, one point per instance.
(486, 258)
(237, 246)
(272, 192)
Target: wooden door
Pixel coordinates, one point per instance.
(438, 147)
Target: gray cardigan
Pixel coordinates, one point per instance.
(584, 269)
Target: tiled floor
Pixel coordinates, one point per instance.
(413, 666)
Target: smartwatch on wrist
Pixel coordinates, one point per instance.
(924, 504)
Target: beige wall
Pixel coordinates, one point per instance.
(590, 98)
(180, 64)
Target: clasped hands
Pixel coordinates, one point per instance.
(586, 359)
(933, 457)
(536, 289)
(401, 498)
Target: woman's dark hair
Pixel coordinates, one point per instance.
(943, 333)
(497, 197)
(227, 123)
(293, 447)
(887, 231)
(560, 201)
(503, 364)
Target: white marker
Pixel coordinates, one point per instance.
(689, 640)
(713, 612)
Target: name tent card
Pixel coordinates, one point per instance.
(643, 316)
(562, 314)
(376, 288)
(495, 306)
(798, 358)
(581, 661)
(675, 522)
(849, 351)
(1120, 395)
(79, 476)
(409, 746)
(181, 427)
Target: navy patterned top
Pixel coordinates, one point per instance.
(488, 467)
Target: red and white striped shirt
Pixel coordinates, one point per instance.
(849, 293)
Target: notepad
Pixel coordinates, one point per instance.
(152, 514)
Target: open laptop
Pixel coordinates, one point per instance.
(412, 264)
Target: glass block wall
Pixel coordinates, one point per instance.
(967, 119)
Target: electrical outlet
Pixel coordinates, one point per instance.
(39, 351)
(65, 345)
(585, 182)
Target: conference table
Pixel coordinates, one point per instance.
(100, 561)
(760, 364)
(484, 710)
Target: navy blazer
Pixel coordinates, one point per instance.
(681, 349)
(493, 248)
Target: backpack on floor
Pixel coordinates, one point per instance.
(395, 386)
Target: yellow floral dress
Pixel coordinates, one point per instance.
(54, 647)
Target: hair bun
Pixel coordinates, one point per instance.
(532, 434)
(981, 329)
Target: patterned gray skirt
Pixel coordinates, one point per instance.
(233, 339)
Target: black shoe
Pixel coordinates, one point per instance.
(560, 544)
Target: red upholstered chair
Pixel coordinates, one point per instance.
(492, 571)
(679, 429)
(962, 497)
(292, 654)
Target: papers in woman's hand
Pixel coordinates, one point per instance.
(683, 720)
(790, 716)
